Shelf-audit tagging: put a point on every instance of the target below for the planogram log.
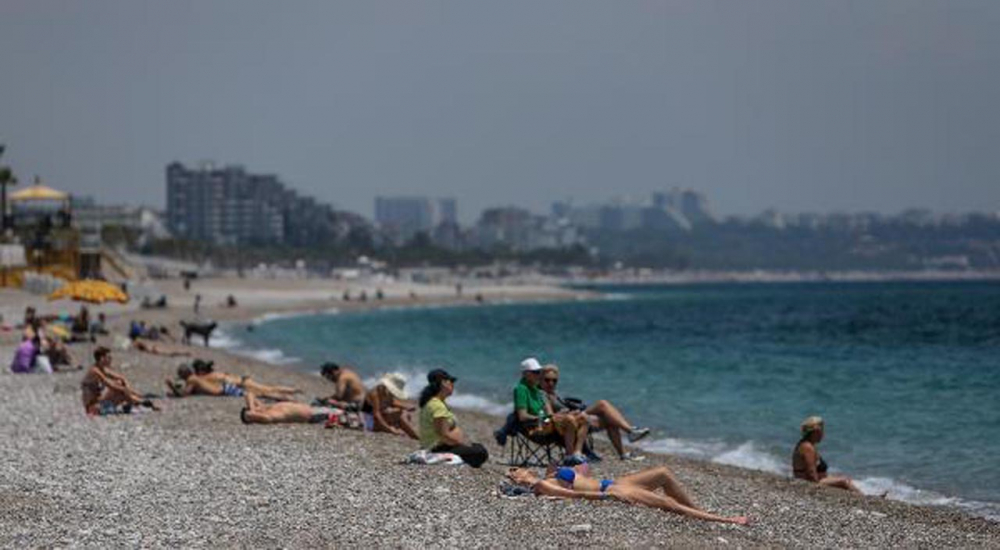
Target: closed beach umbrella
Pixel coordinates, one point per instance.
(92, 291)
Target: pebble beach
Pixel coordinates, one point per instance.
(194, 476)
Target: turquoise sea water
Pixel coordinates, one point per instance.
(907, 375)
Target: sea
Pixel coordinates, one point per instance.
(906, 375)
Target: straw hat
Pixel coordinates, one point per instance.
(395, 384)
(811, 424)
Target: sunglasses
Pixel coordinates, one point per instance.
(553, 380)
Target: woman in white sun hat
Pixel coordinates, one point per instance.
(385, 408)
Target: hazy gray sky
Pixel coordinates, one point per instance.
(797, 105)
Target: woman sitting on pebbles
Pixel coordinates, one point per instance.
(807, 464)
(385, 408)
(639, 488)
(106, 392)
(439, 433)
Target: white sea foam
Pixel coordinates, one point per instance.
(221, 338)
(475, 402)
(745, 455)
(749, 456)
(683, 447)
(272, 356)
(278, 316)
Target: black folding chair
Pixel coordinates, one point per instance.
(539, 451)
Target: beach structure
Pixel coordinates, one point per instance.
(44, 239)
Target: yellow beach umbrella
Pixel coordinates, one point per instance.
(88, 290)
(38, 192)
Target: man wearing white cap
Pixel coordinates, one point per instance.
(535, 414)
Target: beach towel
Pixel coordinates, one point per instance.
(122, 343)
(424, 456)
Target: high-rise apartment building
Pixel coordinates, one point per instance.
(232, 206)
(224, 205)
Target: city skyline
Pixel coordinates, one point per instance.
(820, 107)
(469, 217)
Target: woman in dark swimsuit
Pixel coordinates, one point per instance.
(639, 488)
(807, 464)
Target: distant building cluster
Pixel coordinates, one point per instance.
(522, 231)
(402, 218)
(677, 209)
(863, 221)
(229, 205)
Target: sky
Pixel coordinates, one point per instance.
(815, 106)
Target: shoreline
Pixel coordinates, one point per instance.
(763, 276)
(497, 411)
(305, 486)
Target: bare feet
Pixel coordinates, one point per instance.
(740, 520)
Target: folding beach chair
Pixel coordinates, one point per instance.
(539, 451)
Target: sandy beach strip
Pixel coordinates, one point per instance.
(194, 476)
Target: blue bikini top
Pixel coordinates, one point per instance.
(567, 475)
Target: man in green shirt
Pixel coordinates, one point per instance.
(535, 414)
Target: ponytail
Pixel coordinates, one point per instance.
(429, 391)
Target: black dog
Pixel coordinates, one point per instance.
(204, 328)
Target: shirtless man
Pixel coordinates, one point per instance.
(193, 384)
(286, 412)
(205, 370)
(104, 391)
(350, 389)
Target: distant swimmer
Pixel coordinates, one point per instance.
(807, 464)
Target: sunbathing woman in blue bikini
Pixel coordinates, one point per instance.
(639, 488)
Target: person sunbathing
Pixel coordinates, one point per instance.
(350, 390)
(807, 464)
(192, 384)
(287, 412)
(206, 370)
(639, 488)
(141, 344)
(600, 415)
(385, 408)
(106, 392)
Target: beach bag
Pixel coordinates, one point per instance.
(574, 404)
(42, 364)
